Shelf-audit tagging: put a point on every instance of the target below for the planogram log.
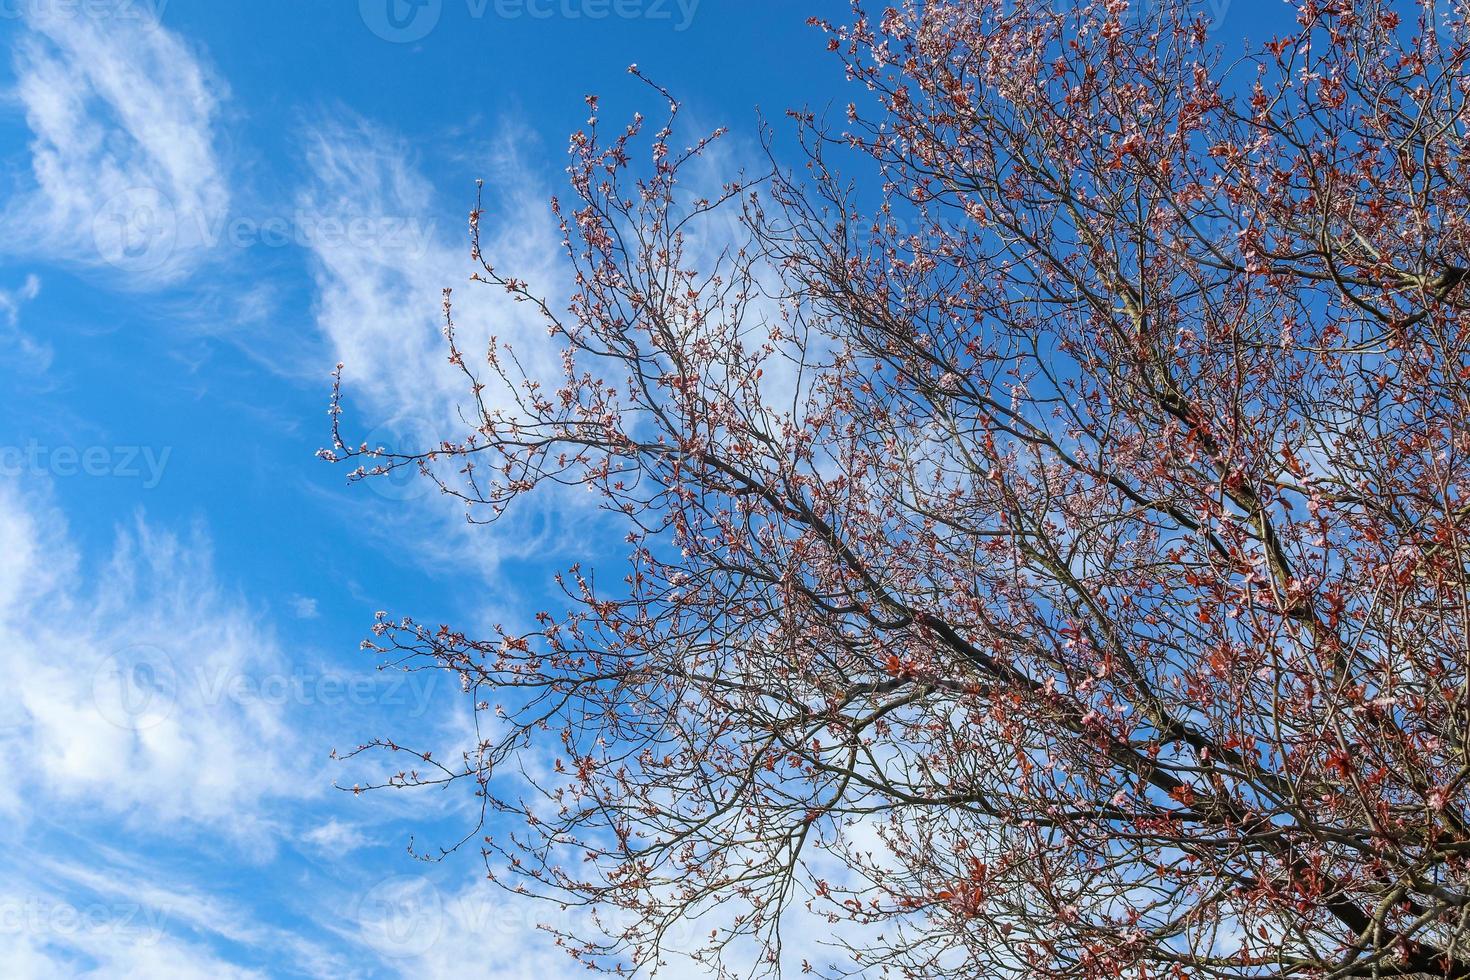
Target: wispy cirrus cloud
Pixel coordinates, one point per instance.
(155, 723)
(336, 838)
(379, 308)
(100, 912)
(125, 170)
(32, 355)
(11, 300)
(135, 681)
(379, 296)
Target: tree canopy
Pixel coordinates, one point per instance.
(1047, 549)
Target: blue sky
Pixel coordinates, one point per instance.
(206, 206)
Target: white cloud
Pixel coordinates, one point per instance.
(147, 901)
(117, 919)
(123, 153)
(87, 953)
(336, 838)
(140, 701)
(380, 301)
(11, 300)
(304, 607)
(127, 677)
(420, 929)
(33, 356)
(380, 291)
(380, 309)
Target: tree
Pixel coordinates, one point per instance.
(1048, 560)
